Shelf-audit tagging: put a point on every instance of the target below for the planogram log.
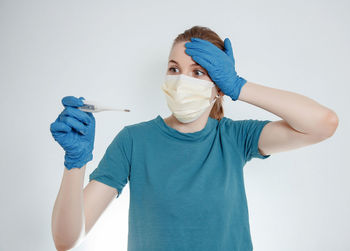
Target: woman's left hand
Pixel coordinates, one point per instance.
(219, 64)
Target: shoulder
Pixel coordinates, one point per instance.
(229, 124)
(225, 121)
(242, 125)
(138, 129)
(143, 125)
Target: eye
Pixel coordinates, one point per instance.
(170, 69)
(202, 73)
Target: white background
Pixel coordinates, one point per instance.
(116, 52)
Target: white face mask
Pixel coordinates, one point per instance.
(187, 97)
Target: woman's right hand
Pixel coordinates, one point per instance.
(74, 130)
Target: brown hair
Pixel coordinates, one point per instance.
(217, 111)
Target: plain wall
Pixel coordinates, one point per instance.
(116, 52)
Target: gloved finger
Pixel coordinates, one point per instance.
(209, 50)
(228, 48)
(72, 101)
(58, 126)
(204, 63)
(73, 123)
(199, 48)
(208, 58)
(204, 44)
(92, 118)
(211, 53)
(76, 113)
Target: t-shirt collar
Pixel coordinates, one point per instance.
(192, 136)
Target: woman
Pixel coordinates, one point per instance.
(185, 171)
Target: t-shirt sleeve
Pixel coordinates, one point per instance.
(248, 133)
(114, 168)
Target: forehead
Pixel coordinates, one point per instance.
(178, 49)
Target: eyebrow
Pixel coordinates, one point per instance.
(194, 64)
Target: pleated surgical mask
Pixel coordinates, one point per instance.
(187, 97)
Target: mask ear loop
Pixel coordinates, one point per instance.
(216, 97)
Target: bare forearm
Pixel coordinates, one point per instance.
(300, 112)
(68, 220)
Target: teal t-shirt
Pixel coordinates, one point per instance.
(186, 189)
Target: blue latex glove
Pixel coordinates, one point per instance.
(219, 64)
(74, 130)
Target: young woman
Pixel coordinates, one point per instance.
(185, 171)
